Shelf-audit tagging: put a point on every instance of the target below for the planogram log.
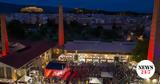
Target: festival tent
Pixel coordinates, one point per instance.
(60, 70)
(56, 69)
(106, 74)
(25, 79)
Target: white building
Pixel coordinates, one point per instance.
(96, 51)
(20, 63)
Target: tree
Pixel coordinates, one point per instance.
(52, 23)
(97, 32)
(140, 51)
(16, 29)
(139, 30)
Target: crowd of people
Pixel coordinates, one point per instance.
(120, 72)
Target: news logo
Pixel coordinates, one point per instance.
(145, 69)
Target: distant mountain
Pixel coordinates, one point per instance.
(13, 8)
(89, 11)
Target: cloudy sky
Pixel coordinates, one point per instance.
(110, 5)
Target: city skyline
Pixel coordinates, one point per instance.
(81, 46)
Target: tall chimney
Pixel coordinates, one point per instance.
(4, 36)
(154, 41)
(61, 27)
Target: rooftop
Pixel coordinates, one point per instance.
(56, 65)
(100, 47)
(32, 50)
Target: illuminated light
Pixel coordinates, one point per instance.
(14, 77)
(140, 38)
(32, 9)
(148, 81)
(40, 56)
(47, 72)
(127, 57)
(61, 28)
(129, 38)
(76, 51)
(105, 55)
(43, 66)
(57, 51)
(154, 81)
(87, 82)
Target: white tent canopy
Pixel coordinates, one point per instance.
(95, 80)
(106, 74)
(24, 79)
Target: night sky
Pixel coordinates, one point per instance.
(108, 5)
